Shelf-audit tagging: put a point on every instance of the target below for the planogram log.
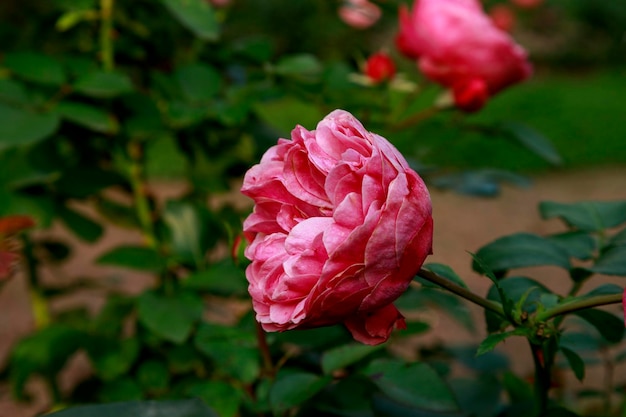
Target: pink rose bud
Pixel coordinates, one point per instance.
(360, 14)
(380, 67)
(340, 227)
(470, 96)
(502, 17)
(527, 4)
(454, 42)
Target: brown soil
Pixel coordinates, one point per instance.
(461, 224)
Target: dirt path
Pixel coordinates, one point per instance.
(461, 224)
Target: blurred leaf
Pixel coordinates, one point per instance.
(575, 362)
(222, 397)
(182, 115)
(153, 376)
(533, 141)
(116, 213)
(416, 385)
(103, 84)
(300, 66)
(84, 227)
(493, 339)
(490, 362)
(604, 289)
(112, 358)
(285, 113)
(171, 318)
(235, 350)
(71, 18)
(41, 208)
(444, 271)
(480, 182)
(198, 82)
(190, 231)
(342, 356)
(294, 388)
(183, 359)
(85, 181)
(20, 127)
(450, 304)
(610, 326)
(589, 216)
(134, 257)
(256, 47)
(611, 262)
(171, 408)
(12, 92)
(507, 303)
(196, 15)
(521, 250)
(384, 406)
(518, 389)
(123, 389)
(90, 117)
(35, 67)
(558, 412)
(577, 244)
(479, 396)
(349, 396)
(580, 342)
(221, 278)
(315, 339)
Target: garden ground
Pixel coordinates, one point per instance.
(461, 224)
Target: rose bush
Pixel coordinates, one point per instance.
(457, 44)
(340, 226)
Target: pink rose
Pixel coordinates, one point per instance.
(456, 44)
(340, 227)
(359, 14)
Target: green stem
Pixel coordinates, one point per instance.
(38, 303)
(138, 185)
(106, 34)
(461, 292)
(268, 365)
(572, 306)
(542, 377)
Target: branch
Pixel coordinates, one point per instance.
(572, 306)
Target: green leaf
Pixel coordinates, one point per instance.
(222, 278)
(196, 15)
(446, 272)
(103, 84)
(589, 216)
(611, 262)
(39, 208)
(450, 304)
(577, 244)
(478, 396)
(170, 318)
(575, 362)
(190, 231)
(521, 250)
(123, 389)
(90, 117)
(222, 397)
(292, 389)
(198, 82)
(342, 356)
(112, 359)
(533, 141)
(234, 349)
(518, 389)
(604, 289)
(300, 66)
(507, 304)
(153, 376)
(12, 92)
(81, 225)
(416, 385)
(35, 67)
(134, 257)
(285, 113)
(172, 408)
(493, 339)
(558, 412)
(20, 127)
(619, 239)
(608, 325)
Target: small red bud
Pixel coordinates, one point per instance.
(380, 67)
(503, 17)
(527, 4)
(470, 96)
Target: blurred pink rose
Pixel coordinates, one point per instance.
(380, 67)
(527, 4)
(340, 226)
(456, 44)
(10, 227)
(503, 17)
(359, 14)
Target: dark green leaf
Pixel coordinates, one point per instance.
(446, 272)
(610, 326)
(479, 396)
(20, 127)
(342, 356)
(85, 181)
(590, 216)
(81, 225)
(222, 278)
(450, 304)
(581, 342)
(533, 141)
(12, 92)
(619, 239)
(521, 250)
(222, 397)
(292, 389)
(172, 408)
(196, 15)
(134, 257)
(190, 231)
(181, 114)
(577, 244)
(285, 113)
(493, 339)
(235, 350)
(35, 67)
(507, 304)
(488, 363)
(482, 182)
(575, 362)
(611, 262)
(112, 358)
(558, 412)
(518, 389)
(123, 389)
(92, 118)
(303, 65)
(604, 289)
(103, 84)
(39, 208)
(198, 82)
(416, 385)
(153, 376)
(171, 318)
